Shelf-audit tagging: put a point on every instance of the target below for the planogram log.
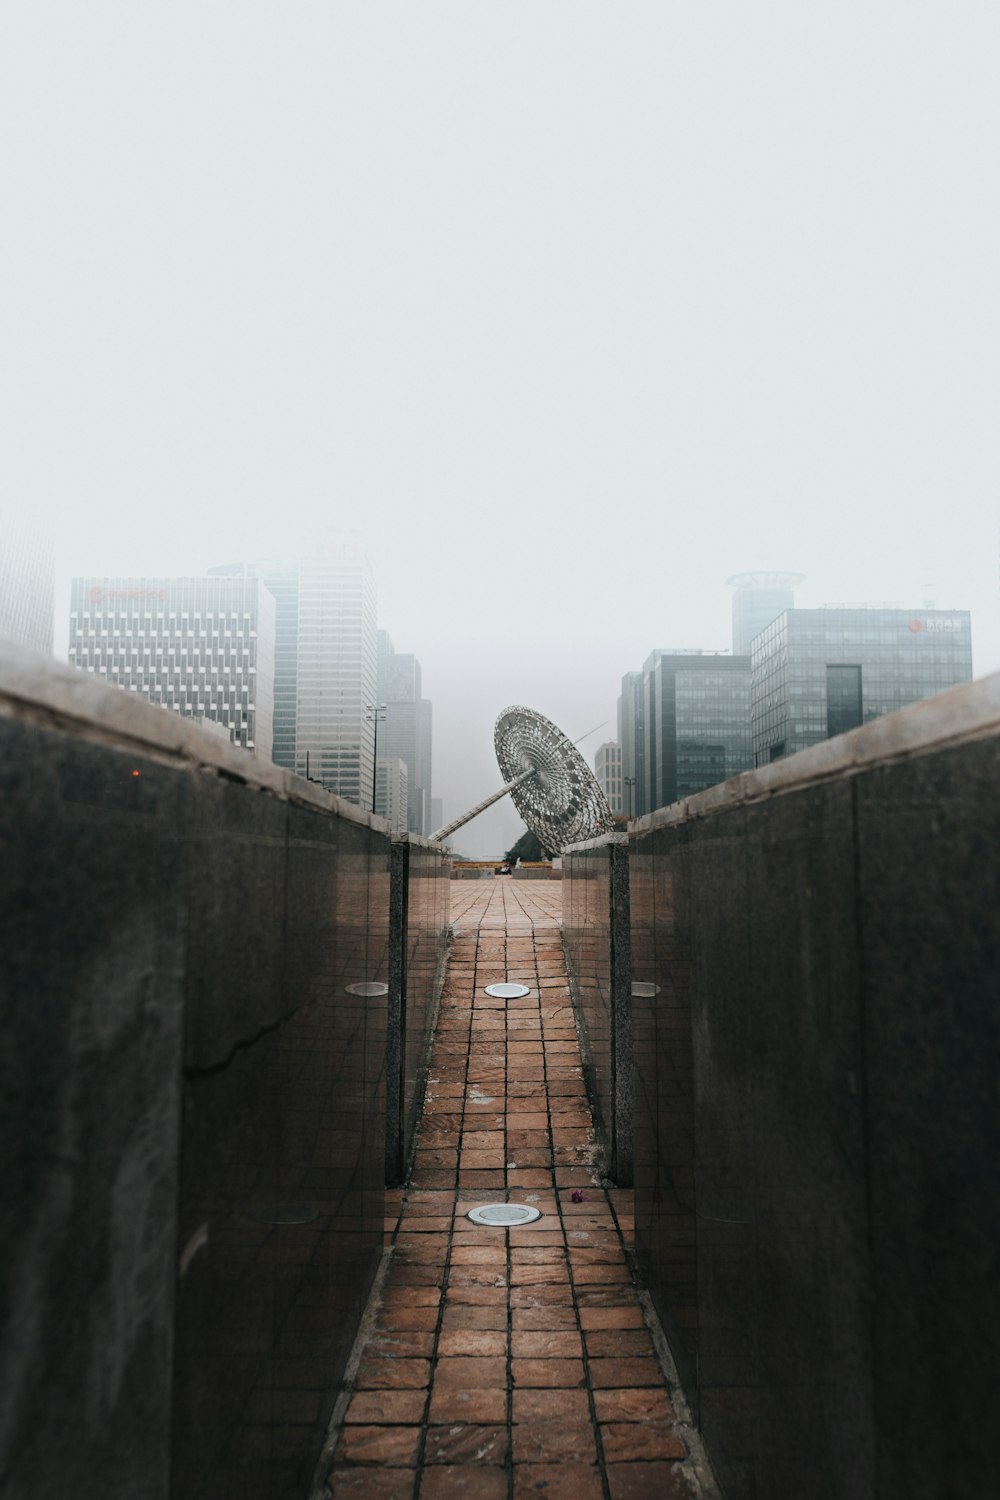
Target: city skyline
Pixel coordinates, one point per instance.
(485, 840)
(568, 375)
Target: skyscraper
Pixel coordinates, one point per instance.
(203, 647)
(325, 662)
(406, 728)
(391, 801)
(608, 771)
(821, 672)
(697, 723)
(631, 737)
(758, 599)
(27, 584)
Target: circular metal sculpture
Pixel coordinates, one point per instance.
(561, 802)
(553, 788)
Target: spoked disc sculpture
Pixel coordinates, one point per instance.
(547, 779)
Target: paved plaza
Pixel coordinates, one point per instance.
(509, 1363)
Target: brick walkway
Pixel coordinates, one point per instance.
(509, 1363)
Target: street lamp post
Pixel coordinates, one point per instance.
(375, 714)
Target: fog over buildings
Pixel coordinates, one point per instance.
(572, 312)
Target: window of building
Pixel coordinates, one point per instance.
(843, 699)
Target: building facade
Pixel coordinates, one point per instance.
(201, 647)
(822, 672)
(27, 585)
(608, 771)
(406, 728)
(391, 791)
(325, 662)
(759, 598)
(696, 723)
(631, 738)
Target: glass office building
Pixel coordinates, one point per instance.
(406, 729)
(821, 672)
(325, 662)
(27, 583)
(758, 598)
(631, 733)
(696, 711)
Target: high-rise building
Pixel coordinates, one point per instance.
(406, 732)
(631, 737)
(406, 728)
(437, 813)
(203, 647)
(697, 723)
(384, 649)
(608, 771)
(821, 672)
(391, 801)
(325, 662)
(401, 683)
(27, 584)
(758, 599)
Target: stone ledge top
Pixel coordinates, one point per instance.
(34, 686)
(604, 841)
(969, 712)
(420, 841)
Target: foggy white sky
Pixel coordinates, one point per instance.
(573, 309)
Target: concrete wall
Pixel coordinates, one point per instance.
(420, 930)
(816, 1128)
(192, 1143)
(595, 897)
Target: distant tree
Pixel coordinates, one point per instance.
(527, 849)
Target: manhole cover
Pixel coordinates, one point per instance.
(507, 991)
(367, 989)
(501, 1215)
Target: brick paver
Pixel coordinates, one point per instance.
(509, 1363)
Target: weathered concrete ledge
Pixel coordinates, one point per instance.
(42, 691)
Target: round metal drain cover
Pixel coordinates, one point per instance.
(367, 988)
(507, 991)
(503, 1215)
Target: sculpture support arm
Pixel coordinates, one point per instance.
(474, 812)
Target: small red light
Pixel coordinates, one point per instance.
(136, 773)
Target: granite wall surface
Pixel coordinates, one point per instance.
(192, 1141)
(596, 939)
(816, 950)
(420, 933)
